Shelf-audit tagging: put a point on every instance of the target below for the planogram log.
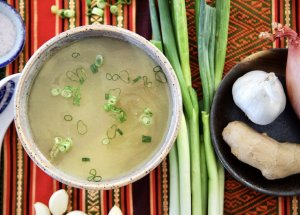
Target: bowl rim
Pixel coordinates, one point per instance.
(23, 34)
(161, 151)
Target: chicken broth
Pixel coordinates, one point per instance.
(99, 108)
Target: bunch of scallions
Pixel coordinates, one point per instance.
(196, 176)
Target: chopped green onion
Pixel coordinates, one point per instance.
(148, 112)
(137, 79)
(77, 96)
(55, 91)
(146, 82)
(93, 176)
(85, 159)
(159, 74)
(94, 68)
(146, 139)
(120, 131)
(75, 54)
(146, 120)
(114, 9)
(77, 76)
(124, 76)
(111, 132)
(115, 77)
(60, 145)
(68, 117)
(146, 117)
(81, 127)
(99, 60)
(97, 11)
(58, 140)
(105, 141)
(67, 92)
(106, 96)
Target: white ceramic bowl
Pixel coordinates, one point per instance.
(17, 21)
(31, 70)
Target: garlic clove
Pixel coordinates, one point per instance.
(76, 213)
(260, 96)
(41, 209)
(58, 202)
(115, 210)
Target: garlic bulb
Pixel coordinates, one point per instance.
(260, 96)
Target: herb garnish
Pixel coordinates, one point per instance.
(60, 145)
(146, 139)
(81, 127)
(93, 176)
(159, 74)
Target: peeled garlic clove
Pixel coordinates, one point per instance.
(115, 210)
(76, 213)
(58, 202)
(260, 96)
(41, 209)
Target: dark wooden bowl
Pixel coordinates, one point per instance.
(285, 128)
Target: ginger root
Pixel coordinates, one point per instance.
(274, 159)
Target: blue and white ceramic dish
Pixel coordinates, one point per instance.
(16, 19)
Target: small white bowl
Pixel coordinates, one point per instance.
(16, 19)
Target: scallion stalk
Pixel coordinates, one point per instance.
(182, 38)
(212, 169)
(184, 168)
(222, 14)
(174, 206)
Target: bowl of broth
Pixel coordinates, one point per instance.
(97, 107)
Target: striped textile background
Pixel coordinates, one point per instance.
(22, 183)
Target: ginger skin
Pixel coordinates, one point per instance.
(274, 159)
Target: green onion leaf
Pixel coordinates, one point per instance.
(99, 60)
(137, 79)
(81, 127)
(146, 139)
(55, 91)
(94, 68)
(85, 159)
(68, 117)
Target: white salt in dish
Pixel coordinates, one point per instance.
(12, 34)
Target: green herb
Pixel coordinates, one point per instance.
(75, 54)
(124, 76)
(146, 82)
(94, 68)
(137, 79)
(67, 92)
(146, 117)
(146, 139)
(68, 117)
(77, 96)
(98, 63)
(110, 106)
(79, 75)
(93, 176)
(81, 127)
(55, 91)
(60, 145)
(99, 60)
(159, 75)
(105, 141)
(111, 133)
(119, 131)
(85, 159)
